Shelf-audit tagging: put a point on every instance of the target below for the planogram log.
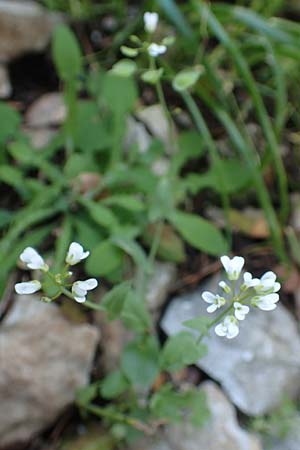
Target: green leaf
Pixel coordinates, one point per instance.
(152, 76)
(22, 152)
(86, 394)
(113, 385)
(124, 68)
(77, 164)
(200, 233)
(133, 249)
(162, 200)
(135, 315)
(129, 51)
(104, 259)
(113, 302)
(10, 120)
(201, 324)
(190, 145)
(187, 78)
(139, 361)
(120, 93)
(181, 350)
(173, 12)
(66, 53)
(100, 214)
(125, 201)
(86, 232)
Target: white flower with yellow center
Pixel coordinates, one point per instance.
(268, 284)
(240, 311)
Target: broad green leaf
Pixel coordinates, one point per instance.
(124, 68)
(113, 302)
(139, 361)
(200, 233)
(201, 324)
(66, 53)
(191, 146)
(162, 200)
(85, 395)
(126, 201)
(134, 314)
(9, 120)
(120, 93)
(133, 249)
(22, 152)
(186, 79)
(104, 259)
(113, 385)
(78, 163)
(86, 232)
(181, 350)
(100, 214)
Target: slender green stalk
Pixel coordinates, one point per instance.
(213, 151)
(243, 68)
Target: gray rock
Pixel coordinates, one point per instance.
(159, 284)
(24, 27)
(221, 432)
(137, 134)
(48, 110)
(44, 360)
(39, 137)
(5, 86)
(257, 368)
(154, 118)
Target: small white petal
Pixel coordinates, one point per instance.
(212, 308)
(225, 287)
(225, 260)
(208, 297)
(90, 284)
(220, 330)
(233, 266)
(28, 287)
(33, 259)
(233, 331)
(80, 299)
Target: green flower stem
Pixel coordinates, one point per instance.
(213, 151)
(118, 417)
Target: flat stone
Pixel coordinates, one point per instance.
(44, 360)
(155, 120)
(257, 368)
(5, 86)
(137, 135)
(25, 26)
(39, 137)
(48, 110)
(221, 432)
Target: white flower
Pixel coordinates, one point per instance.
(240, 311)
(156, 49)
(266, 302)
(267, 284)
(80, 288)
(233, 266)
(76, 254)
(225, 287)
(32, 259)
(150, 21)
(28, 287)
(249, 281)
(215, 300)
(228, 328)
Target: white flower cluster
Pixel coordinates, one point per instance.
(239, 296)
(31, 258)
